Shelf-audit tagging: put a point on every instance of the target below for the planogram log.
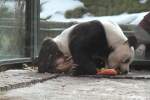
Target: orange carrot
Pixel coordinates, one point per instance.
(106, 72)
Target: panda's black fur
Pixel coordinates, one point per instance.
(87, 43)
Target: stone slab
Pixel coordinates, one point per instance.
(82, 88)
(12, 79)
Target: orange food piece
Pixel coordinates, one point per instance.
(107, 72)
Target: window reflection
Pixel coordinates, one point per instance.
(12, 29)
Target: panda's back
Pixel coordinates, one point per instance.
(106, 34)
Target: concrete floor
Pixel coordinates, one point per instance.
(82, 88)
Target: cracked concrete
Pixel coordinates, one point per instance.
(21, 78)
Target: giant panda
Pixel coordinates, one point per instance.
(91, 44)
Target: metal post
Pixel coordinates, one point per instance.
(33, 17)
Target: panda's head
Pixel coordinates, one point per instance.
(120, 58)
(122, 54)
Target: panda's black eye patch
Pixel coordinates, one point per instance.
(126, 61)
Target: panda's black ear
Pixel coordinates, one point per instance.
(132, 41)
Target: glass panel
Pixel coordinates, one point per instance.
(140, 37)
(12, 29)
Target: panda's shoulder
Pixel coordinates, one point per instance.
(113, 28)
(63, 36)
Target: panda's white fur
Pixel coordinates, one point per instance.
(114, 34)
(62, 41)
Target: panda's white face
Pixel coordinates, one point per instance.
(121, 58)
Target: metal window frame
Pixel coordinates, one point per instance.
(32, 29)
